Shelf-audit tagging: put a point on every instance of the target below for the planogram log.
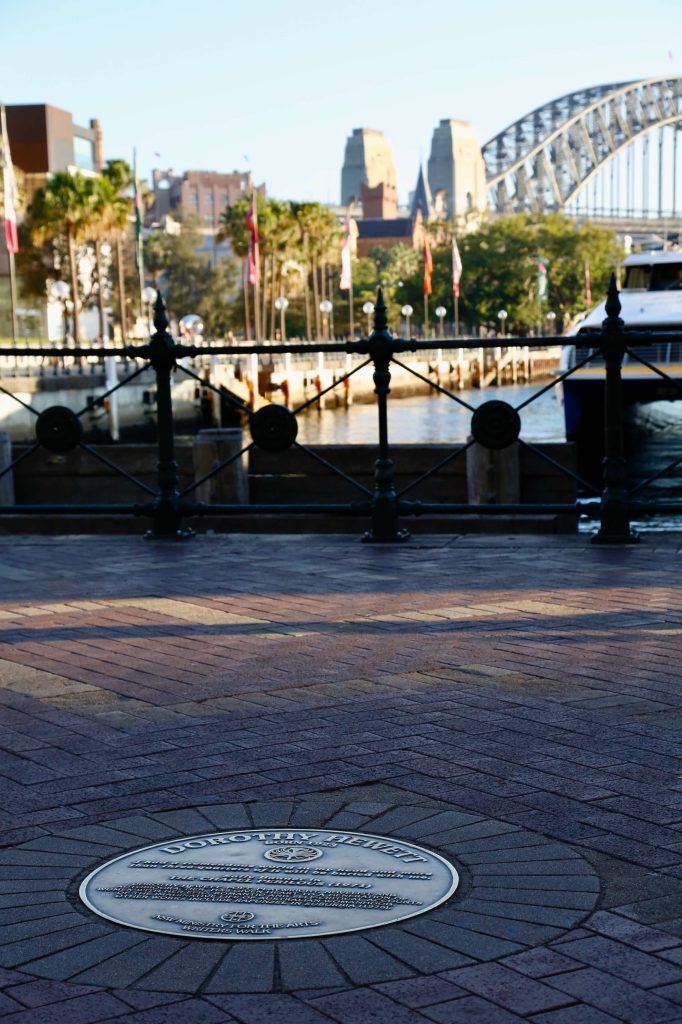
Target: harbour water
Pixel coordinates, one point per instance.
(433, 419)
(653, 436)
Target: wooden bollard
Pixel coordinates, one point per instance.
(493, 475)
(6, 481)
(230, 485)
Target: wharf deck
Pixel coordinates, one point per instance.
(511, 702)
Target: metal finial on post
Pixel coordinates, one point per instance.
(615, 508)
(380, 317)
(613, 306)
(161, 321)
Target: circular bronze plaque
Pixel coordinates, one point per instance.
(269, 884)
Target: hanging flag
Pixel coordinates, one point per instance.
(428, 267)
(588, 286)
(346, 282)
(456, 268)
(542, 279)
(10, 195)
(252, 227)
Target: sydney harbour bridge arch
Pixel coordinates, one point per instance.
(610, 151)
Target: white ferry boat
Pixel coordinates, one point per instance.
(651, 300)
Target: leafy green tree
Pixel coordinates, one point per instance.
(500, 262)
(193, 285)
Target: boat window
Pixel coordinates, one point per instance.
(637, 277)
(666, 276)
(653, 278)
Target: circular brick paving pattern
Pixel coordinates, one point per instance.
(518, 890)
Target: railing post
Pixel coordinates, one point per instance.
(166, 516)
(384, 527)
(615, 512)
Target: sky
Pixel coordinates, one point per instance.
(276, 87)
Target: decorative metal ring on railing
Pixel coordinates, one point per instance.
(58, 429)
(273, 428)
(495, 424)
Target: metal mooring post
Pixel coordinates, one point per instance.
(161, 352)
(384, 529)
(615, 512)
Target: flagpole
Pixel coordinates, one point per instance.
(138, 235)
(10, 253)
(456, 315)
(13, 296)
(426, 315)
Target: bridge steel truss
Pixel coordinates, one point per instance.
(540, 162)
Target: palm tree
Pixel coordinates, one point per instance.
(109, 217)
(62, 209)
(233, 228)
(121, 178)
(319, 234)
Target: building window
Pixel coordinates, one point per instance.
(84, 153)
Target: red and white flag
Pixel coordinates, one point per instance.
(9, 190)
(428, 267)
(588, 285)
(346, 282)
(456, 268)
(252, 226)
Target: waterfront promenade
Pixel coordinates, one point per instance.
(511, 703)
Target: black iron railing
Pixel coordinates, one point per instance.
(495, 425)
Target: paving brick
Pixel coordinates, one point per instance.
(74, 960)
(540, 963)
(614, 995)
(422, 955)
(575, 1015)
(417, 992)
(247, 967)
(363, 962)
(505, 987)
(88, 1009)
(649, 940)
(622, 961)
(306, 964)
(196, 1011)
(270, 1010)
(364, 1006)
(43, 992)
(470, 1010)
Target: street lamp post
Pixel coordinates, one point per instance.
(551, 316)
(407, 312)
(368, 309)
(149, 298)
(502, 316)
(191, 325)
(325, 309)
(60, 292)
(281, 304)
(440, 313)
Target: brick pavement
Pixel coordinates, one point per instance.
(511, 702)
